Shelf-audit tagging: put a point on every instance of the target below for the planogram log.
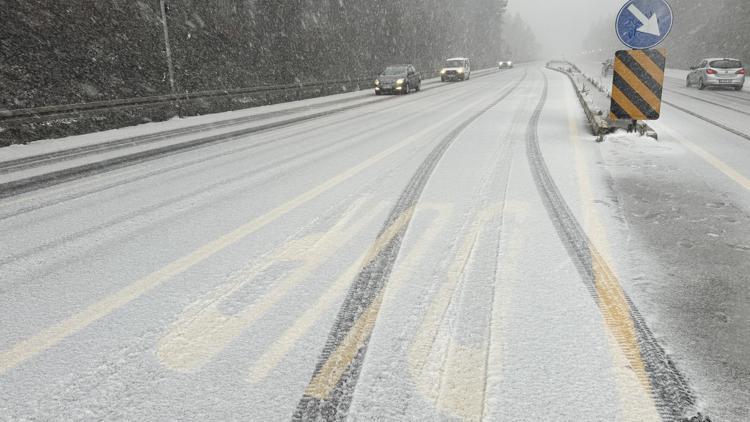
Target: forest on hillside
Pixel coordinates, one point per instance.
(720, 28)
(79, 50)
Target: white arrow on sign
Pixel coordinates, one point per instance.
(650, 25)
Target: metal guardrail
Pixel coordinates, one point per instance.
(20, 126)
(325, 88)
(643, 128)
(58, 110)
(599, 126)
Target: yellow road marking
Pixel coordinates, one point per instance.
(717, 163)
(636, 403)
(97, 179)
(324, 382)
(329, 375)
(51, 336)
(204, 330)
(462, 368)
(281, 347)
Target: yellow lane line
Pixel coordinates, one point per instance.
(197, 336)
(461, 368)
(96, 180)
(717, 163)
(327, 378)
(329, 375)
(51, 336)
(637, 402)
(282, 346)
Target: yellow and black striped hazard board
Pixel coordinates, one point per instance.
(637, 84)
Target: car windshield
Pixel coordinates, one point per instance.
(455, 63)
(726, 64)
(394, 70)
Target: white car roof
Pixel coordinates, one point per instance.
(722, 58)
(457, 58)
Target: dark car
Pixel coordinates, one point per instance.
(398, 79)
(505, 64)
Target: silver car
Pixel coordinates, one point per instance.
(717, 72)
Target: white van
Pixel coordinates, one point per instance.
(456, 69)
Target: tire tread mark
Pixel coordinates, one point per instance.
(17, 187)
(368, 286)
(742, 135)
(707, 101)
(673, 397)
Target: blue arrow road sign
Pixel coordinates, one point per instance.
(643, 24)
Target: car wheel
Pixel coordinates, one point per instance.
(687, 82)
(419, 86)
(378, 93)
(738, 88)
(701, 85)
(406, 91)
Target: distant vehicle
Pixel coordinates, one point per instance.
(398, 79)
(505, 65)
(456, 69)
(717, 72)
(608, 68)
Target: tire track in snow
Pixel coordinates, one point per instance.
(198, 195)
(329, 394)
(654, 369)
(707, 101)
(742, 135)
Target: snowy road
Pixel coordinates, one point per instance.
(463, 253)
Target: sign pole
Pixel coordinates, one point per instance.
(167, 47)
(638, 75)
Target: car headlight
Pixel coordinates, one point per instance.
(377, 82)
(400, 82)
(442, 72)
(461, 70)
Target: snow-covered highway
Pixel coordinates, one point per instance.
(467, 252)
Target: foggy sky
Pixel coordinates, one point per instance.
(561, 25)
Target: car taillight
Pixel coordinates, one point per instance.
(741, 72)
(711, 72)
